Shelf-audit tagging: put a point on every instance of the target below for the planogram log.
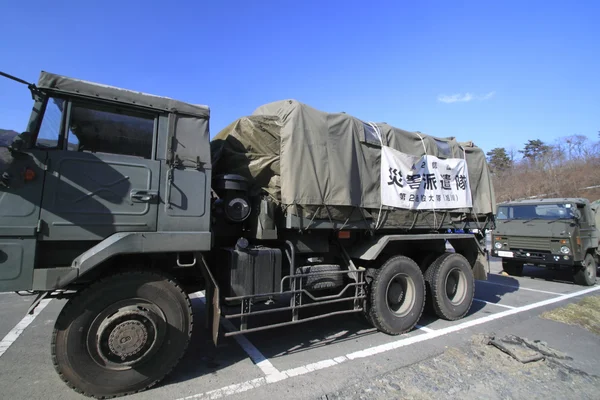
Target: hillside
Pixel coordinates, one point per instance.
(6, 137)
(570, 167)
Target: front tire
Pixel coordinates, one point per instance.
(585, 275)
(512, 268)
(122, 334)
(397, 296)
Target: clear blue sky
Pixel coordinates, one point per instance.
(497, 74)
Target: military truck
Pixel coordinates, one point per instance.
(557, 233)
(119, 202)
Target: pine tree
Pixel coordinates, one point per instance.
(535, 150)
(499, 160)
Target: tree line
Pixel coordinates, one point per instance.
(569, 167)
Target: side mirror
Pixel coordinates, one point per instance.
(21, 142)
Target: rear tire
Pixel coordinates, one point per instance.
(396, 296)
(585, 275)
(450, 286)
(426, 261)
(122, 334)
(512, 268)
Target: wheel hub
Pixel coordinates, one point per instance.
(400, 295)
(456, 286)
(451, 286)
(396, 293)
(128, 338)
(124, 335)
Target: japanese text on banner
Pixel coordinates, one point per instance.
(423, 183)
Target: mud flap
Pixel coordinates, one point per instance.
(213, 305)
(481, 266)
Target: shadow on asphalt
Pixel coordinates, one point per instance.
(548, 275)
(503, 285)
(202, 358)
(564, 276)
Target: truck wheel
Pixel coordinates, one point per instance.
(397, 296)
(512, 268)
(122, 334)
(426, 261)
(586, 273)
(450, 285)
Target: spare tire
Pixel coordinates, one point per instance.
(323, 277)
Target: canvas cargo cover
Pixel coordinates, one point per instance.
(73, 86)
(303, 156)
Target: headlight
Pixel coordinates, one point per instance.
(498, 245)
(565, 250)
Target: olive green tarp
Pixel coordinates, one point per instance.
(329, 163)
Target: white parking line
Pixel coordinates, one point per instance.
(252, 384)
(15, 332)
(255, 355)
(424, 328)
(521, 288)
(494, 304)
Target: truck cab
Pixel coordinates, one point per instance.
(98, 162)
(551, 233)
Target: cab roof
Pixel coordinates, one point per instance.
(546, 201)
(62, 84)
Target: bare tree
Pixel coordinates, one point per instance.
(567, 168)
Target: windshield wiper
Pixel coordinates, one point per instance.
(559, 219)
(531, 219)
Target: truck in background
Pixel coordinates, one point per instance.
(552, 233)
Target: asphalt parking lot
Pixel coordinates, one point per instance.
(299, 362)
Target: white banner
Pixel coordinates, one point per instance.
(423, 183)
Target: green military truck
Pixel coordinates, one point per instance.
(553, 233)
(119, 202)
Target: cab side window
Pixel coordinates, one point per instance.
(49, 134)
(112, 130)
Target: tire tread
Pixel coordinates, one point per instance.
(374, 316)
(67, 309)
(580, 276)
(432, 275)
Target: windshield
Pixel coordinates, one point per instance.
(533, 211)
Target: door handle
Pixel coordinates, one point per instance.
(143, 196)
(5, 180)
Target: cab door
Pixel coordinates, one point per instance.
(22, 176)
(20, 198)
(106, 177)
(587, 231)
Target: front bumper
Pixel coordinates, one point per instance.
(534, 257)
